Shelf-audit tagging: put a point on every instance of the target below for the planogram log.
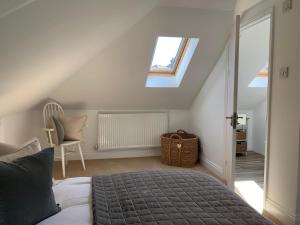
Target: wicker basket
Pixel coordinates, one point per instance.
(179, 149)
(241, 135)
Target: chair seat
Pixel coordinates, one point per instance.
(67, 143)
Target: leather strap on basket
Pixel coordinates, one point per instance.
(172, 137)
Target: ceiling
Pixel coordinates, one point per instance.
(7, 7)
(94, 53)
(254, 56)
(227, 5)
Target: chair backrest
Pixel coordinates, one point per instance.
(52, 109)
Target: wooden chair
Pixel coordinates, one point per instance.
(52, 109)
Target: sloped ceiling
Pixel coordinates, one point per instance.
(224, 5)
(46, 41)
(115, 79)
(96, 53)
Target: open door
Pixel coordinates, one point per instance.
(231, 106)
(248, 99)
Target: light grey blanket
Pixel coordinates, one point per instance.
(168, 198)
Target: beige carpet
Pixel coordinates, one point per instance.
(111, 166)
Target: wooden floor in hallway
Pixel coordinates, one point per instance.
(250, 167)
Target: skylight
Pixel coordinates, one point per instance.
(261, 79)
(170, 61)
(167, 54)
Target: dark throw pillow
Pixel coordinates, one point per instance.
(60, 130)
(53, 133)
(26, 195)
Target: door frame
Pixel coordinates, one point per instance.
(247, 18)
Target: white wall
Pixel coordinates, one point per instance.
(284, 174)
(67, 35)
(208, 117)
(17, 128)
(178, 119)
(259, 127)
(243, 5)
(116, 77)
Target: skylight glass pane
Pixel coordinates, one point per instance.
(166, 53)
(261, 79)
(259, 82)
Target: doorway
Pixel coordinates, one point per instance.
(250, 135)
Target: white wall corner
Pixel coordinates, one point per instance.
(213, 167)
(281, 213)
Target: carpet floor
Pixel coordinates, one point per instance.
(111, 166)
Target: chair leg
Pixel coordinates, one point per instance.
(66, 160)
(63, 160)
(81, 156)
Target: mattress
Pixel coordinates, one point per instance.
(75, 198)
(168, 198)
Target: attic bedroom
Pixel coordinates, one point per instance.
(149, 112)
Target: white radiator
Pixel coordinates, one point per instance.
(130, 130)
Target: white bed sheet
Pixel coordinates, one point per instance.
(74, 197)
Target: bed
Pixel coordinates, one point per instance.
(150, 198)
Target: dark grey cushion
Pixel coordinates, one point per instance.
(60, 130)
(26, 195)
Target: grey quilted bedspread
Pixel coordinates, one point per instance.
(168, 198)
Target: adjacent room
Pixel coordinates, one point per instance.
(149, 112)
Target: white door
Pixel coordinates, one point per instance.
(231, 106)
(232, 94)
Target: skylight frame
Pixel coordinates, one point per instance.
(180, 54)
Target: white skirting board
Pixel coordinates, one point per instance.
(114, 154)
(214, 168)
(280, 213)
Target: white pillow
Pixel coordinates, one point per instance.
(31, 147)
